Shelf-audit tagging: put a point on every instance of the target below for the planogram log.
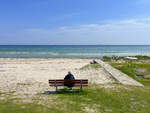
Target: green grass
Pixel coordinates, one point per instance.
(143, 57)
(123, 99)
(130, 68)
(112, 58)
(140, 67)
(8, 106)
(115, 101)
(116, 58)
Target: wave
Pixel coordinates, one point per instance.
(67, 55)
(71, 51)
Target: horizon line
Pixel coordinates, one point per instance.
(74, 45)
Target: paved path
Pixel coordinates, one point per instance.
(118, 75)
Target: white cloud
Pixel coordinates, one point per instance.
(129, 31)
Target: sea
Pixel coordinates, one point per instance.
(71, 51)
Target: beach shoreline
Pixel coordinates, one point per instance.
(71, 51)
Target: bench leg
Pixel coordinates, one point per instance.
(55, 85)
(81, 86)
(56, 89)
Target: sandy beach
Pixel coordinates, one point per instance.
(30, 76)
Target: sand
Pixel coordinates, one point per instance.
(30, 76)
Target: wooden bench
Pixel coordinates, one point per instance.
(77, 83)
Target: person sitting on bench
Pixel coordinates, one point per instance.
(69, 81)
(69, 76)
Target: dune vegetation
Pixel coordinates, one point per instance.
(137, 69)
(114, 98)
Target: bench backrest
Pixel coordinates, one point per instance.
(60, 82)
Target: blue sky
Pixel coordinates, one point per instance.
(67, 22)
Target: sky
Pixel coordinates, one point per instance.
(74, 22)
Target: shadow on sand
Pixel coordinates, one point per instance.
(63, 92)
(50, 92)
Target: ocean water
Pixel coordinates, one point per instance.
(71, 51)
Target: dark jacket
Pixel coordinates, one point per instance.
(69, 77)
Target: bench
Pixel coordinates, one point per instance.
(77, 83)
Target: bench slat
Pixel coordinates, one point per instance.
(63, 85)
(60, 82)
(69, 82)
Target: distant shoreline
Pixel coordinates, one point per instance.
(111, 57)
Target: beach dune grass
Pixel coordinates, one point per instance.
(117, 99)
(137, 69)
(132, 69)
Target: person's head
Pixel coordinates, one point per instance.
(69, 72)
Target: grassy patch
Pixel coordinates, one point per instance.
(1, 93)
(143, 57)
(137, 69)
(118, 58)
(8, 106)
(113, 58)
(104, 100)
(131, 69)
(123, 99)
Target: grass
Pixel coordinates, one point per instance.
(8, 106)
(115, 101)
(116, 58)
(1, 93)
(140, 67)
(131, 69)
(143, 57)
(123, 99)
